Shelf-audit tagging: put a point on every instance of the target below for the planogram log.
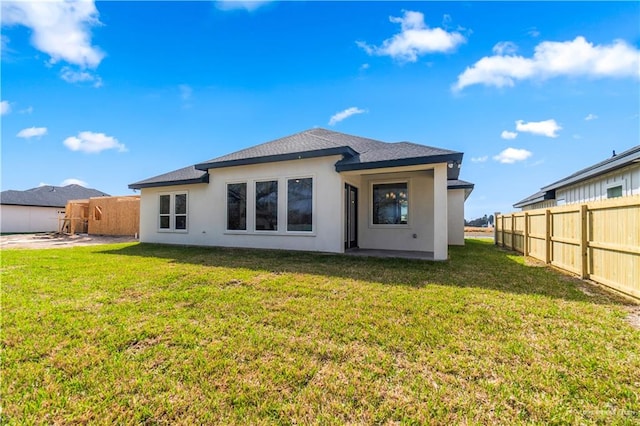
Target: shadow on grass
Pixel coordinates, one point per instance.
(479, 264)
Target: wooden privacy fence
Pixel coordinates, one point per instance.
(599, 241)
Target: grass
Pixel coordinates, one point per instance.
(137, 333)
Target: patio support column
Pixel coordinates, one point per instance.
(440, 213)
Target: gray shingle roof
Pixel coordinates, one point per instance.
(532, 199)
(459, 183)
(182, 176)
(48, 196)
(358, 153)
(406, 153)
(311, 141)
(618, 161)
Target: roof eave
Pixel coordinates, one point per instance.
(462, 186)
(343, 150)
(33, 205)
(589, 174)
(468, 188)
(412, 161)
(203, 179)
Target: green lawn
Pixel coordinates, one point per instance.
(137, 333)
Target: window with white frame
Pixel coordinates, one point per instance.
(300, 205)
(173, 212)
(614, 191)
(237, 206)
(390, 203)
(267, 206)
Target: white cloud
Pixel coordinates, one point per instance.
(73, 76)
(590, 117)
(534, 32)
(249, 6)
(548, 128)
(481, 159)
(91, 142)
(32, 132)
(339, 116)
(364, 67)
(44, 184)
(185, 92)
(5, 108)
(573, 58)
(414, 39)
(27, 110)
(505, 48)
(511, 155)
(73, 181)
(508, 135)
(61, 29)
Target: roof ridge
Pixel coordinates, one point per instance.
(252, 147)
(611, 159)
(323, 138)
(422, 145)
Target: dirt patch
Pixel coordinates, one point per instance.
(634, 317)
(478, 229)
(478, 232)
(56, 240)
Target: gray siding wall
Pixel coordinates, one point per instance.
(596, 189)
(541, 205)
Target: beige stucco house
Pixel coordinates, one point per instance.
(316, 190)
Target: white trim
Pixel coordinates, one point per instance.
(407, 225)
(172, 213)
(621, 183)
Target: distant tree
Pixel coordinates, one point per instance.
(480, 222)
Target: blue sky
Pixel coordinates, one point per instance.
(110, 93)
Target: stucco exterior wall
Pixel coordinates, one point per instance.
(28, 218)
(418, 234)
(427, 230)
(596, 189)
(455, 222)
(206, 212)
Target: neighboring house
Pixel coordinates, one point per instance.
(317, 190)
(38, 209)
(618, 176)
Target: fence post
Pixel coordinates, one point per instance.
(547, 236)
(584, 250)
(525, 246)
(513, 231)
(495, 228)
